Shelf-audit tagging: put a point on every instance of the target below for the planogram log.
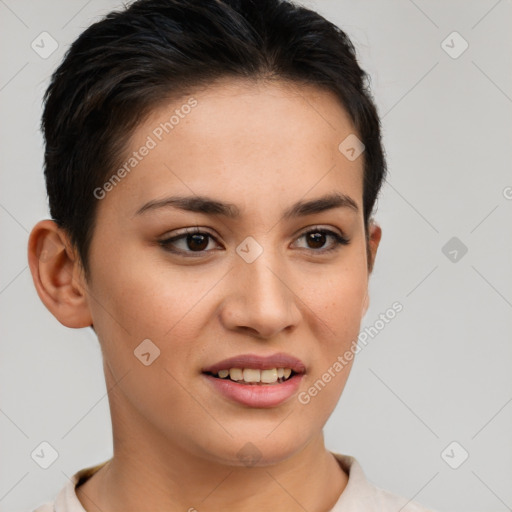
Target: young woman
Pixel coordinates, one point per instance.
(212, 169)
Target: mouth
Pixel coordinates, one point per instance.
(253, 376)
(256, 381)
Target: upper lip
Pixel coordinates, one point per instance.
(279, 360)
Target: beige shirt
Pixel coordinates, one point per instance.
(358, 496)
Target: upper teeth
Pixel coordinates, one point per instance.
(253, 375)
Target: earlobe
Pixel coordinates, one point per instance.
(374, 238)
(56, 274)
(372, 244)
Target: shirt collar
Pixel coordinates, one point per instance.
(359, 493)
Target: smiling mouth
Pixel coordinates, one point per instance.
(252, 376)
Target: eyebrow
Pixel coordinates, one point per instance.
(209, 206)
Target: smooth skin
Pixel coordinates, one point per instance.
(261, 146)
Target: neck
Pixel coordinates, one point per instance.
(151, 472)
(134, 480)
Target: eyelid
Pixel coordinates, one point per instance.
(340, 239)
(165, 243)
(188, 231)
(320, 227)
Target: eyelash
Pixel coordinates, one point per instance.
(339, 240)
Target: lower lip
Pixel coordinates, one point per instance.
(256, 395)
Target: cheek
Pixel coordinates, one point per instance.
(336, 299)
(336, 312)
(139, 303)
(148, 299)
(168, 306)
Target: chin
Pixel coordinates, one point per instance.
(256, 450)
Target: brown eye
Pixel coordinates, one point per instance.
(197, 242)
(188, 243)
(317, 238)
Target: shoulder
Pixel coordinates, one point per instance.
(361, 495)
(390, 501)
(46, 507)
(67, 500)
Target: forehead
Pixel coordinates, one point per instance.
(242, 139)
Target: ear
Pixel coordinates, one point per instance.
(57, 275)
(372, 244)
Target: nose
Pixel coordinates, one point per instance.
(261, 299)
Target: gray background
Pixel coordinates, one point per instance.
(439, 372)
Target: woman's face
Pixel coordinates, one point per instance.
(265, 275)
